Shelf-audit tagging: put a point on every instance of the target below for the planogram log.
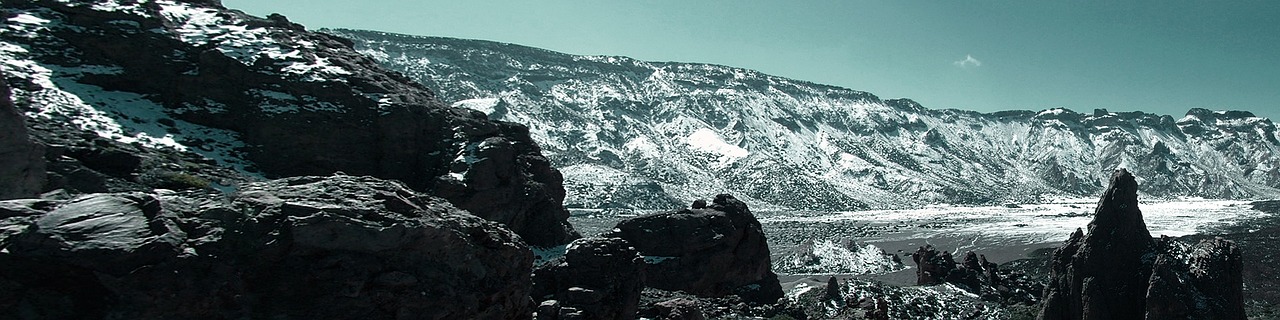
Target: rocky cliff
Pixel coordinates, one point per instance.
(263, 96)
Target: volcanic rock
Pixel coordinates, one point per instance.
(932, 266)
(266, 96)
(21, 160)
(598, 278)
(712, 252)
(1116, 271)
(295, 248)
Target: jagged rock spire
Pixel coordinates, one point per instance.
(1117, 213)
(1117, 271)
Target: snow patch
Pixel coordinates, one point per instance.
(232, 37)
(657, 259)
(24, 18)
(827, 257)
(706, 140)
(122, 116)
(485, 105)
(643, 145)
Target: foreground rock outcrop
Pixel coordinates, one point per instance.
(264, 96)
(597, 278)
(295, 248)
(21, 160)
(714, 251)
(1117, 271)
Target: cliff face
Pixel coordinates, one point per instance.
(263, 96)
(1116, 271)
(21, 160)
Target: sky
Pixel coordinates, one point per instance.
(1163, 57)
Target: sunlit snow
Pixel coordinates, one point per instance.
(706, 140)
(479, 104)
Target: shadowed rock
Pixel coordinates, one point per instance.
(21, 160)
(296, 248)
(598, 278)
(711, 252)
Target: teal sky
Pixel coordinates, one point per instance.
(1155, 56)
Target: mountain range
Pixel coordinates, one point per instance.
(653, 135)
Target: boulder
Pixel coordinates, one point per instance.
(303, 247)
(1116, 270)
(22, 162)
(712, 252)
(597, 278)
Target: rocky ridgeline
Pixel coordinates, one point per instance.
(1117, 271)
(172, 93)
(301, 248)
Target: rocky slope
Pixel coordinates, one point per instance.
(295, 248)
(631, 133)
(136, 95)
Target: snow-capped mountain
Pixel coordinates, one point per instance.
(630, 133)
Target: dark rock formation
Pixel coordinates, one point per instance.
(21, 161)
(598, 278)
(1116, 271)
(296, 248)
(833, 291)
(976, 275)
(301, 103)
(678, 309)
(712, 252)
(1269, 206)
(1207, 285)
(932, 266)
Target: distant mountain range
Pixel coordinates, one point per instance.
(639, 134)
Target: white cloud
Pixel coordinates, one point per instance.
(968, 62)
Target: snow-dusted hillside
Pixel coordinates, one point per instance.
(652, 135)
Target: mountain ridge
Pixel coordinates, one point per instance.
(631, 133)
